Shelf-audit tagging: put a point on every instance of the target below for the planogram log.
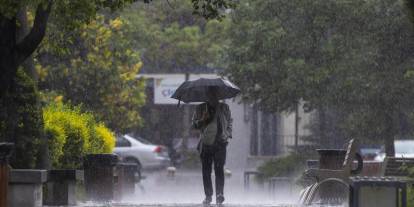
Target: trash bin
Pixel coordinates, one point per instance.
(378, 192)
(331, 158)
(125, 177)
(100, 180)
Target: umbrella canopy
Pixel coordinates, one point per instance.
(198, 90)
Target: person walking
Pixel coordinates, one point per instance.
(213, 120)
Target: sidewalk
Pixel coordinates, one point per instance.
(186, 189)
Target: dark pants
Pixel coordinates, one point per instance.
(215, 154)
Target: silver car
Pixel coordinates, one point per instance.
(403, 148)
(142, 152)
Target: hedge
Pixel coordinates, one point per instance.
(72, 134)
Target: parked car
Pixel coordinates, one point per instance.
(369, 153)
(403, 148)
(142, 152)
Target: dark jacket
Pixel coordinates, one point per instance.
(224, 116)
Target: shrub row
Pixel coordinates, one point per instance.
(72, 134)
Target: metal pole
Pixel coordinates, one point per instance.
(5, 151)
(296, 126)
(186, 119)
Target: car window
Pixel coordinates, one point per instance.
(122, 142)
(143, 141)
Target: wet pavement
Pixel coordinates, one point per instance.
(185, 189)
(185, 205)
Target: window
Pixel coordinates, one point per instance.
(122, 142)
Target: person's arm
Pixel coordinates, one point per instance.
(199, 118)
(227, 113)
(196, 118)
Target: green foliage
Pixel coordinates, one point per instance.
(98, 72)
(212, 9)
(410, 189)
(350, 57)
(105, 139)
(185, 42)
(56, 137)
(410, 196)
(28, 119)
(9, 8)
(73, 134)
(288, 166)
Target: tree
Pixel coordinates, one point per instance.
(351, 57)
(98, 71)
(71, 14)
(172, 40)
(29, 123)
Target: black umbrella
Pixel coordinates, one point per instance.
(197, 90)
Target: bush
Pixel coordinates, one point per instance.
(288, 166)
(410, 188)
(73, 134)
(105, 142)
(56, 137)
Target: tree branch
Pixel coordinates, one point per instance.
(29, 44)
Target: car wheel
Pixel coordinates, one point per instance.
(134, 161)
(139, 166)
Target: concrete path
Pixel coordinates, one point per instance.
(185, 189)
(181, 205)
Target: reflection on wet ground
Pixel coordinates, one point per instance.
(185, 189)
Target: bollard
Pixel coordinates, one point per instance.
(100, 170)
(5, 152)
(171, 172)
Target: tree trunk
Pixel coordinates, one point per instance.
(297, 119)
(12, 54)
(21, 32)
(388, 135)
(28, 65)
(324, 142)
(8, 68)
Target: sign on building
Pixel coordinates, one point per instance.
(165, 86)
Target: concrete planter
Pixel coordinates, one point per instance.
(61, 187)
(25, 188)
